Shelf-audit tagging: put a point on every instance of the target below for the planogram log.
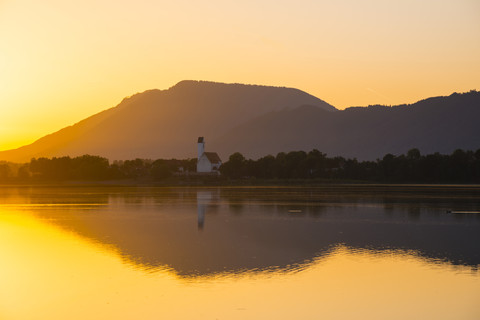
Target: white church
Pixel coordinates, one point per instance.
(207, 162)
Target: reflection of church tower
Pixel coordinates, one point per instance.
(203, 199)
(201, 215)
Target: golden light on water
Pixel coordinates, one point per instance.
(52, 273)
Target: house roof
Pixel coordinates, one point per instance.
(212, 157)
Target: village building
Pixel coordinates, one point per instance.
(207, 162)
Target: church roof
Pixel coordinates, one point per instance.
(212, 157)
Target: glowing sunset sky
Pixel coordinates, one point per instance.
(62, 61)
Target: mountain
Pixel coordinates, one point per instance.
(260, 120)
(440, 124)
(165, 123)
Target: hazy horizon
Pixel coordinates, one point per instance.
(62, 62)
(259, 120)
(75, 122)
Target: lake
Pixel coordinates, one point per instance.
(332, 252)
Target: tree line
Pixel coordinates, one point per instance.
(91, 168)
(459, 167)
(413, 167)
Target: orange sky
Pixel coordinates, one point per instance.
(62, 61)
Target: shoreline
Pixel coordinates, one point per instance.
(240, 184)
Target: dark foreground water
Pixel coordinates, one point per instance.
(337, 252)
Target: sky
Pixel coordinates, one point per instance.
(62, 61)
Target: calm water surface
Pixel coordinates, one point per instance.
(337, 252)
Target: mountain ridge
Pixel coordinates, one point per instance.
(164, 119)
(258, 120)
(438, 124)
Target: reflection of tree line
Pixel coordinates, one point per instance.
(311, 201)
(261, 228)
(314, 200)
(378, 222)
(459, 167)
(39, 195)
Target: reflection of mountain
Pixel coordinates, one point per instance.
(274, 228)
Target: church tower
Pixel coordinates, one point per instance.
(201, 146)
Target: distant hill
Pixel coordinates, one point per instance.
(260, 120)
(165, 123)
(440, 124)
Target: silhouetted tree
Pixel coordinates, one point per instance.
(235, 167)
(5, 171)
(264, 168)
(160, 170)
(135, 168)
(413, 154)
(85, 167)
(316, 163)
(24, 172)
